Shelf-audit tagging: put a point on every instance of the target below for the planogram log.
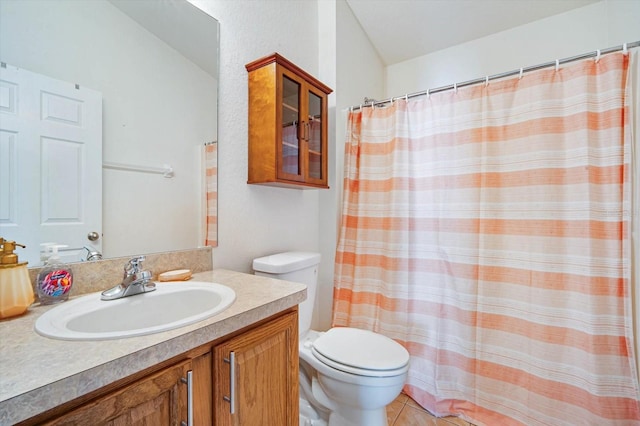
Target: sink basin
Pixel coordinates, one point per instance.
(171, 305)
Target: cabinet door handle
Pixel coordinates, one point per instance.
(301, 127)
(189, 382)
(307, 126)
(231, 399)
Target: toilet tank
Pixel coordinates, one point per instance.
(296, 266)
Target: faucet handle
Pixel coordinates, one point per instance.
(134, 265)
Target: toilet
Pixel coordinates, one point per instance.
(347, 376)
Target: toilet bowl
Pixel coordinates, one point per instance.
(347, 376)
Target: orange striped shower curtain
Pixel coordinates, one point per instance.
(211, 194)
(487, 230)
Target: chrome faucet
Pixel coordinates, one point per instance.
(135, 281)
(92, 254)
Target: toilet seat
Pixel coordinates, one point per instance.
(360, 352)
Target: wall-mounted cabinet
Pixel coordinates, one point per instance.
(287, 125)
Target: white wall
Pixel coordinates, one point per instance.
(95, 45)
(597, 26)
(257, 220)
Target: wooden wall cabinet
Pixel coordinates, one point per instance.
(287, 125)
(265, 375)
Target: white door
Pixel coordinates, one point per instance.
(50, 163)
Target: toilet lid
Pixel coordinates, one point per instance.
(360, 349)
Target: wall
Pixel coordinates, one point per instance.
(257, 220)
(76, 42)
(597, 26)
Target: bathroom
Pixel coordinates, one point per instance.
(324, 38)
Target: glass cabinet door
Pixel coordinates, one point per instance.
(314, 136)
(302, 139)
(291, 146)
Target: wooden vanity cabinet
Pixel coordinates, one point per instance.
(266, 385)
(287, 125)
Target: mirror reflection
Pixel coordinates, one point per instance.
(108, 125)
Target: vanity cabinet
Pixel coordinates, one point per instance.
(264, 374)
(256, 376)
(287, 125)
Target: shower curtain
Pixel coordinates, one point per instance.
(210, 184)
(487, 230)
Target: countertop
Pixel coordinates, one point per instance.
(38, 373)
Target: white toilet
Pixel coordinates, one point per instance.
(347, 375)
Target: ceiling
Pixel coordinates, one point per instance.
(405, 29)
(186, 28)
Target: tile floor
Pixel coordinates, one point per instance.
(404, 411)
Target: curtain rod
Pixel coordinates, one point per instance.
(557, 62)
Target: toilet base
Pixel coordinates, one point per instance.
(346, 417)
(309, 416)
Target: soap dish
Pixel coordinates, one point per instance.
(177, 275)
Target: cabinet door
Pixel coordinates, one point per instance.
(256, 376)
(157, 400)
(290, 160)
(315, 136)
(302, 141)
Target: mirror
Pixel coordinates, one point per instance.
(155, 65)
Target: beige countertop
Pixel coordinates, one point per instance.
(38, 373)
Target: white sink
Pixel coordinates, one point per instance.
(171, 305)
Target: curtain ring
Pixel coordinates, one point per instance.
(486, 81)
(597, 55)
(624, 49)
(557, 64)
(455, 87)
(521, 72)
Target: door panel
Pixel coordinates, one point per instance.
(290, 130)
(290, 122)
(265, 376)
(157, 400)
(61, 180)
(315, 151)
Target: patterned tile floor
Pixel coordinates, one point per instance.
(404, 411)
